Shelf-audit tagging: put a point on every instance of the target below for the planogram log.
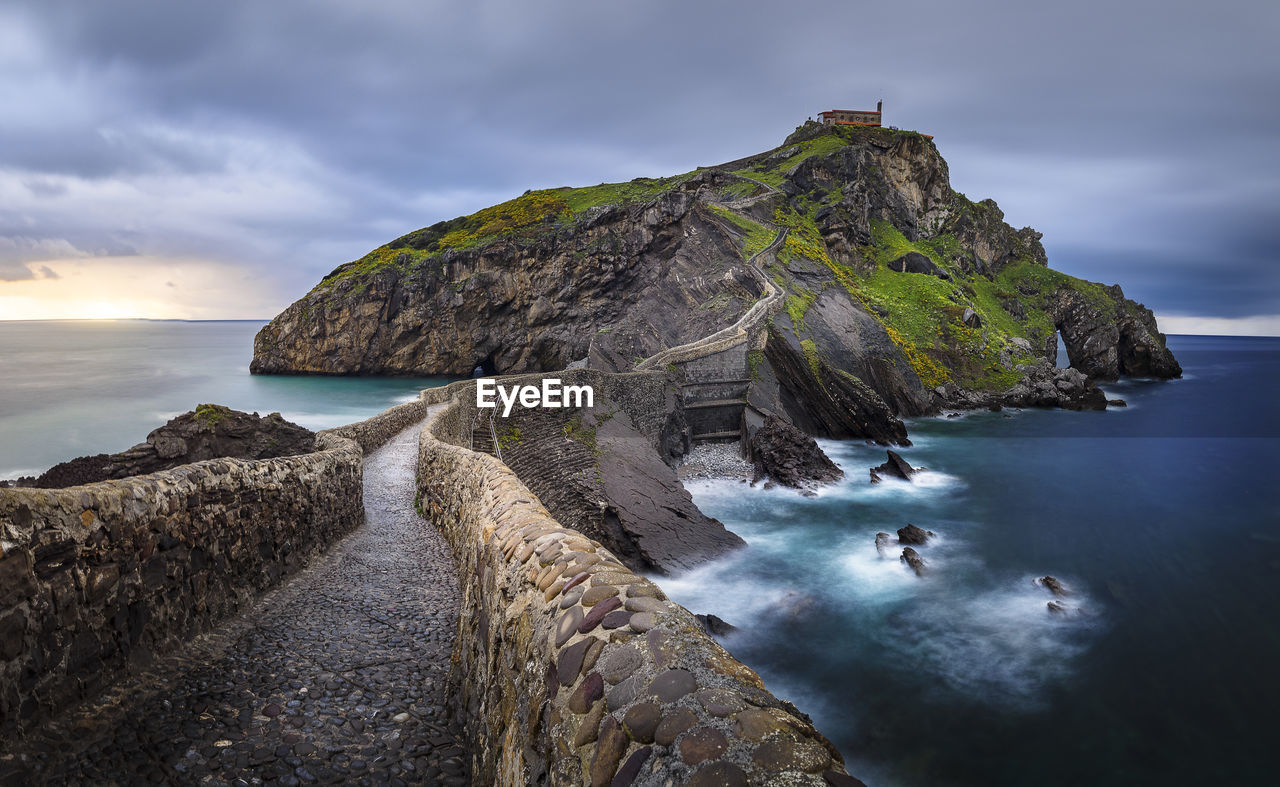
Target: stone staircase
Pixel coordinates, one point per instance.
(715, 366)
(483, 436)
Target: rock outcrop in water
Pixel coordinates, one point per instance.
(1053, 585)
(901, 296)
(914, 535)
(790, 457)
(210, 431)
(913, 560)
(894, 467)
(882, 543)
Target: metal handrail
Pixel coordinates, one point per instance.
(493, 433)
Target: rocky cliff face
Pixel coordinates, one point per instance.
(625, 279)
(901, 295)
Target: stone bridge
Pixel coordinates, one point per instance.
(235, 622)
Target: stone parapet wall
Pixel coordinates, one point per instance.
(374, 432)
(571, 669)
(97, 578)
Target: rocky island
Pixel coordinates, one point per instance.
(896, 294)
(830, 287)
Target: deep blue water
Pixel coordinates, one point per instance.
(70, 388)
(1163, 518)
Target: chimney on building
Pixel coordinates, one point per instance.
(878, 105)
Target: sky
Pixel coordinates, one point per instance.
(214, 160)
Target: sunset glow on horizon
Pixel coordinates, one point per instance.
(137, 288)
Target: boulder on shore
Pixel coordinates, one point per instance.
(914, 535)
(895, 467)
(912, 558)
(789, 456)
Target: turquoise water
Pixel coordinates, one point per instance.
(1163, 518)
(85, 387)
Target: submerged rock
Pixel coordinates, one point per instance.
(796, 604)
(914, 535)
(211, 431)
(1117, 403)
(882, 542)
(1057, 608)
(895, 467)
(789, 456)
(912, 558)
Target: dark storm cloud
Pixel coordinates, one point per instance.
(1139, 137)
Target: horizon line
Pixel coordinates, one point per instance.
(260, 319)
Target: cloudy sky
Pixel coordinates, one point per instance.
(213, 160)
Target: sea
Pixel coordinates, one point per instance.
(75, 388)
(1162, 520)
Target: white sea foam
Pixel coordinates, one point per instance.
(995, 641)
(999, 644)
(722, 588)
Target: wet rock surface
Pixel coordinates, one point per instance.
(914, 535)
(913, 560)
(715, 625)
(882, 543)
(337, 677)
(895, 467)
(1053, 585)
(790, 457)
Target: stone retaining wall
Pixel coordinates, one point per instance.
(96, 578)
(571, 669)
(729, 363)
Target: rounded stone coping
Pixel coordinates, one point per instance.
(620, 684)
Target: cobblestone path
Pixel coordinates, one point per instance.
(336, 677)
